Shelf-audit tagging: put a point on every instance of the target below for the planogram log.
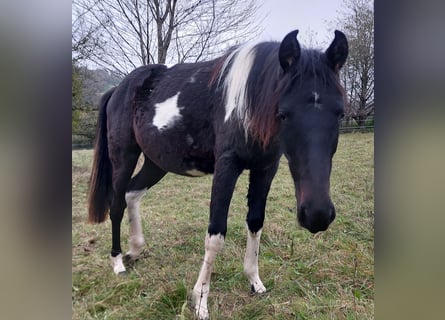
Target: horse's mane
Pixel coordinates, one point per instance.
(267, 82)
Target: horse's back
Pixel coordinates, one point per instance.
(135, 84)
(175, 125)
(120, 108)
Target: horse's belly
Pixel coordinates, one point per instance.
(178, 152)
(177, 137)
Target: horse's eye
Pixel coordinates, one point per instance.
(281, 116)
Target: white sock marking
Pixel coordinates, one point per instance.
(251, 261)
(235, 83)
(118, 264)
(136, 240)
(167, 112)
(213, 244)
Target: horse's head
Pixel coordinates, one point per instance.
(309, 110)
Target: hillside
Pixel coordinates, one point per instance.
(95, 84)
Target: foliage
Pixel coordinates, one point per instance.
(95, 83)
(329, 275)
(76, 101)
(87, 88)
(84, 127)
(76, 88)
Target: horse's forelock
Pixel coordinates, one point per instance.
(265, 84)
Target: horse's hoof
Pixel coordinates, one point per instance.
(118, 265)
(129, 260)
(261, 289)
(122, 274)
(202, 314)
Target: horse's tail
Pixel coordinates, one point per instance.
(100, 189)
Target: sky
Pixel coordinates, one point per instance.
(308, 16)
(313, 18)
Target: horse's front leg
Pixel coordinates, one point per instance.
(260, 181)
(227, 171)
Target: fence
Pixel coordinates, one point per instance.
(350, 125)
(81, 141)
(346, 126)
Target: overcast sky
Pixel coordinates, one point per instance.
(284, 16)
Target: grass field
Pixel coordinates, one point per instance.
(329, 275)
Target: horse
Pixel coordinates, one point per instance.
(241, 111)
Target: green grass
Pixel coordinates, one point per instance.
(329, 275)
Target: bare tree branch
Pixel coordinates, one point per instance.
(137, 32)
(357, 21)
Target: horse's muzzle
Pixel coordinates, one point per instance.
(315, 218)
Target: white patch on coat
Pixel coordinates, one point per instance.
(195, 173)
(189, 139)
(118, 264)
(251, 261)
(235, 82)
(167, 113)
(136, 239)
(213, 244)
(317, 103)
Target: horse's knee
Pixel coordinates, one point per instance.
(255, 222)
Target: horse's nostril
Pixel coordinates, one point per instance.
(332, 216)
(303, 214)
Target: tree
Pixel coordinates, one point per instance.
(85, 40)
(139, 32)
(85, 36)
(76, 100)
(357, 76)
(84, 115)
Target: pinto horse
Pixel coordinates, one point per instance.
(241, 111)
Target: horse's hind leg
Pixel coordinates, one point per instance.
(123, 166)
(148, 176)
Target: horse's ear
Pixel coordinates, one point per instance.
(337, 52)
(289, 50)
